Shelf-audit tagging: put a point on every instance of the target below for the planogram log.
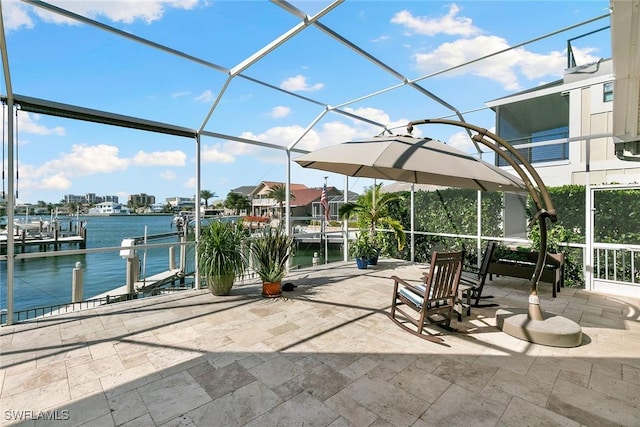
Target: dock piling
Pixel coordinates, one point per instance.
(133, 266)
(172, 258)
(77, 283)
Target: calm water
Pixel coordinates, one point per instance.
(47, 281)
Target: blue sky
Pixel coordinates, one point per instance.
(54, 58)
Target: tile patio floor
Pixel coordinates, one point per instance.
(326, 355)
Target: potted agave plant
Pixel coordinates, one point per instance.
(220, 258)
(373, 210)
(270, 252)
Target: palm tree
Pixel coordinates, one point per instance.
(279, 193)
(237, 202)
(372, 210)
(206, 195)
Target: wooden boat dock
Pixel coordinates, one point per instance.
(46, 236)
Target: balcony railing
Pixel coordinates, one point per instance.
(555, 148)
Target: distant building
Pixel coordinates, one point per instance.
(245, 190)
(181, 203)
(307, 202)
(109, 208)
(262, 204)
(155, 208)
(89, 198)
(72, 198)
(304, 203)
(141, 199)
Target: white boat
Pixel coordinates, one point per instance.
(182, 218)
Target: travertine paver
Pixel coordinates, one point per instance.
(172, 396)
(323, 355)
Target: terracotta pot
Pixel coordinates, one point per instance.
(271, 289)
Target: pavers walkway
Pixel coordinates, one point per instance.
(325, 355)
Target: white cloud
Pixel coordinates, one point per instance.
(461, 141)
(125, 11)
(205, 96)
(299, 84)
(83, 160)
(28, 123)
(327, 133)
(504, 68)
(585, 56)
(216, 154)
(87, 160)
(379, 116)
(168, 175)
(507, 68)
(160, 158)
(190, 183)
(180, 94)
(17, 15)
(55, 182)
(374, 114)
(448, 24)
(380, 39)
(279, 112)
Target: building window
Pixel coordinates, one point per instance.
(535, 152)
(607, 92)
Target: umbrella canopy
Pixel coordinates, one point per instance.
(409, 159)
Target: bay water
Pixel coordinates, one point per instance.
(47, 281)
(40, 282)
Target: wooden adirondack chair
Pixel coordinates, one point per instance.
(432, 301)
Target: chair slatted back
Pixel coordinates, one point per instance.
(486, 259)
(444, 275)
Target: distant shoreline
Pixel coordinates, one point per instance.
(121, 214)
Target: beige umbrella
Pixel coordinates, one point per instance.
(409, 159)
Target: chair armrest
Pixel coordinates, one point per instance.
(406, 284)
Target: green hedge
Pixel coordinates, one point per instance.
(454, 211)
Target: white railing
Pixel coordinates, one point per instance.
(617, 263)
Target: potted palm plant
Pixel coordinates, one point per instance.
(270, 252)
(220, 258)
(372, 209)
(363, 249)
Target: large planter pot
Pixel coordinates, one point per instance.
(220, 285)
(362, 263)
(373, 260)
(271, 289)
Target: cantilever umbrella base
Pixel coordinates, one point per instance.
(555, 331)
